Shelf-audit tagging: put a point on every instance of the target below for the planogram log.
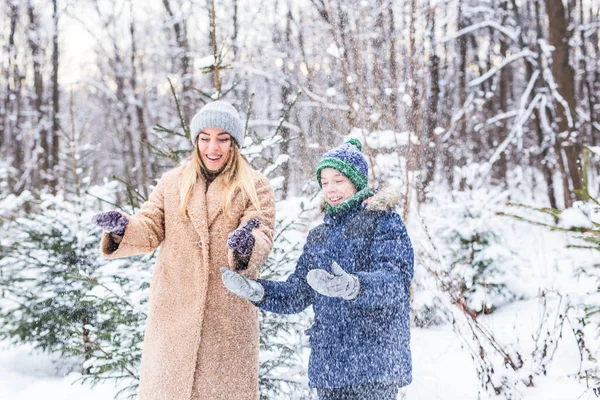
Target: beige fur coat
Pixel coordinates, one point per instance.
(201, 341)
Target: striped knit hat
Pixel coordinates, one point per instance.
(349, 160)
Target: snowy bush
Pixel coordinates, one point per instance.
(480, 268)
(62, 297)
(480, 263)
(580, 294)
(282, 341)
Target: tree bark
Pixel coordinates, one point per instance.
(13, 104)
(284, 45)
(412, 154)
(462, 71)
(379, 56)
(564, 78)
(595, 47)
(393, 67)
(431, 145)
(180, 30)
(55, 99)
(585, 86)
(41, 156)
(139, 110)
(544, 144)
(505, 83)
(235, 28)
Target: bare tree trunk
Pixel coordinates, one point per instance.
(393, 66)
(284, 44)
(431, 145)
(505, 83)
(180, 30)
(564, 77)
(314, 115)
(139, 110)
(120, 110)
(41, 156)
(446, 108)
(456, 155)
(329, 16)
(13, 102)
(354, 47)
(11, 66)
(55, 100)
(462, 71)
(379, 56)
(125, 118)
(585, 86)
(543, 154)
(412, 154)
(235, 28)
(595, 47)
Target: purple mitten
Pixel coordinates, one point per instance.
(242, 240)
(111, 221)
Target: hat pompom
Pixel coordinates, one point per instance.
(356, 143)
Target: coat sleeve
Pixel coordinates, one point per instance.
(263, 234)
(291, 296)
(144, 232)
(392, 258)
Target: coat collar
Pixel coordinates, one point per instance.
(197, 210)
(214, 198)
(206, 205)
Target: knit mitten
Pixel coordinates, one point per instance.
(337, 284)
(111, 221)
(242, 286)
(242, 240)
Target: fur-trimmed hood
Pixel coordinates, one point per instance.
(385, 199)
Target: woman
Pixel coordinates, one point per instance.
(355, 269)
(201, 342)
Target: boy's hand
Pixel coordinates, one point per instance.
(337, 284)
(242, 286)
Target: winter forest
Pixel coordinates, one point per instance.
(483, 116)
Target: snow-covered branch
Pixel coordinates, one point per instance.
(485, 24)
(522, 54)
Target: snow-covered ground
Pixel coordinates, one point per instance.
(29, 375)
(442, 369)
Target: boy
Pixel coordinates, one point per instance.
(355, 269)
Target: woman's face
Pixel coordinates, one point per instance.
(336, 187)
(214, 145)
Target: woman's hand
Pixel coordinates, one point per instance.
(242, 286)
(112, 222)
(241, 240)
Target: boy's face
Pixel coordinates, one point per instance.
(336, 187)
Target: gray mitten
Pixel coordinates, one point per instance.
(338, 284)
(242, 286)
(111, 221)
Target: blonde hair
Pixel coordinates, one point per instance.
(237, 174)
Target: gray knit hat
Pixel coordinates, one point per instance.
(218, 114)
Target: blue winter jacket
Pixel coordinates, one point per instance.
(364, 340)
